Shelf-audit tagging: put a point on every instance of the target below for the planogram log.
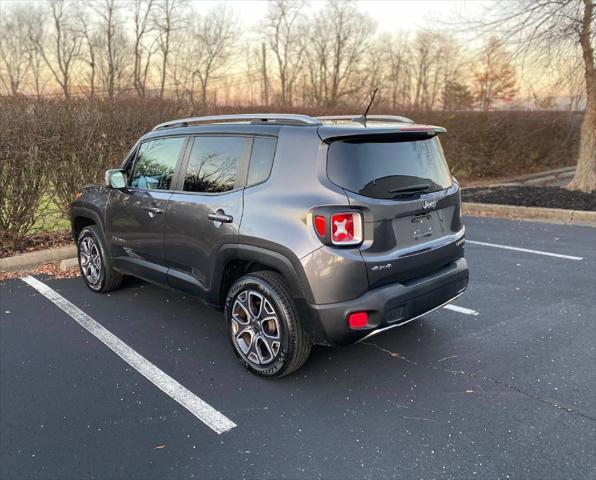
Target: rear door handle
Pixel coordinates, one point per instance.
(152, 211)
(220, 217)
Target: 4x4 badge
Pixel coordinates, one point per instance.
(428, 204)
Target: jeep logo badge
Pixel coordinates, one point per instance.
(428, 204)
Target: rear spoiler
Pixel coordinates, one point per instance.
(329, 133)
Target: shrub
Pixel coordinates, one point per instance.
(51, 148)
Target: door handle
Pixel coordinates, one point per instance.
(152, 211)
(220, 217)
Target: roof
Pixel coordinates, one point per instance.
(328, 128)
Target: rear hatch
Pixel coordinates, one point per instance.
(411, 205)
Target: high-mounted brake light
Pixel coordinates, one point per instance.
(346, 228)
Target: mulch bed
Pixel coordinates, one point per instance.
(46, 270)
(531, 196)
(39, 241)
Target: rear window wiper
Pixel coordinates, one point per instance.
(411, 190)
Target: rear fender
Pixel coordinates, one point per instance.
(291, 271)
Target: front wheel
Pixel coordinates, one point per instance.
(264, 327)
(95, 261)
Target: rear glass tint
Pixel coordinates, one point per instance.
(388, 169)
(213, 164)
(261, 160)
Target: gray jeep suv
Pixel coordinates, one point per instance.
(304, 230)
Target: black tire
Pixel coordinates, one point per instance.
(100, 276)
(294, 343)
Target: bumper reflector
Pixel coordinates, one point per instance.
(358, 319)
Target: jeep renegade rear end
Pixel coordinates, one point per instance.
(307, 231)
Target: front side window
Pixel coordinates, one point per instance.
(213, 164)
(155, 163)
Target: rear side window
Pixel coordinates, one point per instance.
(388, 169)
(213, 164)
(155, 163)
(261, 160)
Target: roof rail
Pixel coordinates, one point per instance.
(277, 118)
(374, 118)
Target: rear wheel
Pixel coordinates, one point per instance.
(264, 327)
(95, 262)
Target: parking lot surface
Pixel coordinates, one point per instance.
(503, 385)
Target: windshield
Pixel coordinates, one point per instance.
(388, 169)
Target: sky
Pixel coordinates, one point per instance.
(390, 15)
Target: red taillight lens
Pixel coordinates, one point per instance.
(346, 228)
(358, 319)
(320, 225)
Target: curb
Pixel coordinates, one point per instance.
(557, 175)
(578, 217)
(69, 264)
(554, 173)
(32, 260)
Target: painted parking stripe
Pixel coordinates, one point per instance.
(525, 250)
(215, 420)
(464, 310)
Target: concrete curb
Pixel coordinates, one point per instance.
(69, 264)
(557, 176)
(31, 260)
(559, 215)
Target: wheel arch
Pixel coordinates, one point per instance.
(233, 261)
(82, 217)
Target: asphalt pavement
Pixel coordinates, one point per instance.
(501, 386)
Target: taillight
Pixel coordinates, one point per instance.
(320, 225)
(346, 228)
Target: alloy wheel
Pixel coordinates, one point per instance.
(90, 260)
(255, 328)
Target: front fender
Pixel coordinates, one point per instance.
(90, 205)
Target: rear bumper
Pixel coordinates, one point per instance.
(388, 306)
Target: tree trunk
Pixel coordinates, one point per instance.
(585, 173)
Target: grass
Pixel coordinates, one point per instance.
(49, 216)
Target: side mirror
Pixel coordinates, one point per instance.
(116, 178)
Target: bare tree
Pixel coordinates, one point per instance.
(495, 79)
(284, 33)
(91, 43)
(167, 20)
(212, 36)
(427, 54)
(549, 31)
(14, 47)
(63, 44)
(113, 45)
(34, 22)
(340, 36)
(399, 69)
(143, 50)
(215, 33)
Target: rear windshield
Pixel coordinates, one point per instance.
(388, 169)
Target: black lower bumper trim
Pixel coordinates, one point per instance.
(388, 305)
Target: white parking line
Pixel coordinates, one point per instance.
(215, 420)
(455, 308)
(525, 250)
